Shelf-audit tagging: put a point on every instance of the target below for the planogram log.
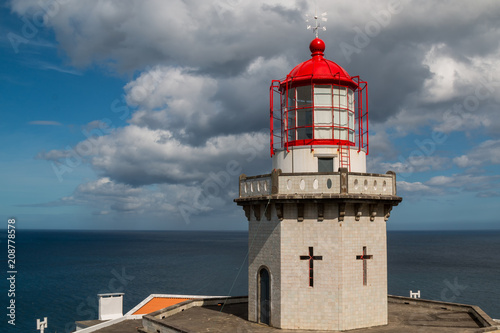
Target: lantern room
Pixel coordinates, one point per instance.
(319, 117)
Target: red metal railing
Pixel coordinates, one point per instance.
(279, 117)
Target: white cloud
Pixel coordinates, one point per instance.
(178, 88)
(486, 153)
(134, 34)
(415, 164)
(481, 184)
(178, 202)
(441, 181)
(106, 196)
(413, 187)
(53, 155)
(173, 98)
(45, 123)
(141, 156)
(194, 106)
(445, 70)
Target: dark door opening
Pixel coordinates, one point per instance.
(265, 297)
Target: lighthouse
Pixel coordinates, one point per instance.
(317, 222)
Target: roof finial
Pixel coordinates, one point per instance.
(317, 24)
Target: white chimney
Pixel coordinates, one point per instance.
(110, 306)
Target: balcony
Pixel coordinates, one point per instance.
(340, 184)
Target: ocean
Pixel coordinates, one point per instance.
(59, 273)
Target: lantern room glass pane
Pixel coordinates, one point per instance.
(291, 98)
(341, 119)
(304, 117)
(340, 97)
(340, 134)
(323, 95)
(304, 96)
(304, 133)
(351, 99)
(351, 120)
(322, 116)
(283, 100)
(351, 136)
(322, 132)
(323, 122)
(291, 125)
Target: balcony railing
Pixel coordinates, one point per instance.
(314, 184)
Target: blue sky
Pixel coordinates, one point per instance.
(117, 114)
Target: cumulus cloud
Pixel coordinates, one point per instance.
(482, 185)
(106, 196)
(413, 187)
(487, 152)
(416, 164)
(194, 105)
(176, 201)
(45, 123)
(141, 156)
(467, 182)
(53, 155)
(129, 35)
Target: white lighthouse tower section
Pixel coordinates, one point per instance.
(324, 274)
(317, 159)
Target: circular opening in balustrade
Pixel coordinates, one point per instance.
(356, 184)
(375, 185)
(258, 186)
(384, 186)
(365, 184)
(265, 185)
(289, 184)
(251, 187)
(245, 189)
(315, 184)
(329, 183)
(302, 184)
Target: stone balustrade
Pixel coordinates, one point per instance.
(342, 182)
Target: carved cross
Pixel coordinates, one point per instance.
(364, 257)
(311, 257)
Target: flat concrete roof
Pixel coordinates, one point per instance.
(89, 323)
(126, 326)
(404, 316)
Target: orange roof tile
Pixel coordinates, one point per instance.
(158, 303)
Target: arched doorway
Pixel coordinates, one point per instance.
(264, 297)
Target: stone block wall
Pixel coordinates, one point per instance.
(338, 299)
(264, 241)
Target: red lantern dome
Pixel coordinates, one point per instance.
(318, 68)
(319, 104)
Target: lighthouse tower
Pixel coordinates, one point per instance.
(317, 222)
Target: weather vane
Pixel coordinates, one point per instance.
(317, 23)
